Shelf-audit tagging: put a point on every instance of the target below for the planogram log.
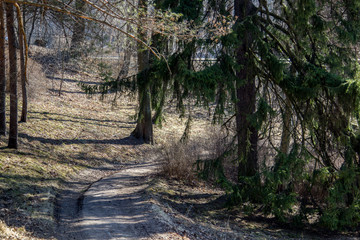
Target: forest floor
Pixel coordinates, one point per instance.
(71, 141)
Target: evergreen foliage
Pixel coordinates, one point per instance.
(302, 51)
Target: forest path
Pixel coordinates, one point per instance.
(116, 207)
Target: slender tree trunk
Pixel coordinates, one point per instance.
(246, 99)
(2, 73)
(285, 136)
(78, 30)
(23, 76)
(13, 132)
(144, 127)
(127, 56)
(32, 25)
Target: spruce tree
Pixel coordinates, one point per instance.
(245, 94)
(144, 128)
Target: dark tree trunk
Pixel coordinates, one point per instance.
(144, 127)
(78, 36)
(13, 132)
(23, 77)
(2, 73)
(157, 118)
(246, 98)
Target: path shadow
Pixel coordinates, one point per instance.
(73, 80)
(74, 119)
(128, 141)
(56, 91)
(88, 119)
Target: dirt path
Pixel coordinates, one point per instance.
(115, 207)
(111, 203)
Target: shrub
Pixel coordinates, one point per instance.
(178, 160)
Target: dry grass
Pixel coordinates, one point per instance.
(68, 133)
(9, 233)
(64, 134)
(179, 159)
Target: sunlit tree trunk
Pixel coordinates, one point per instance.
(246, 98)
(13, 131)
(2, 72)
(23, 76)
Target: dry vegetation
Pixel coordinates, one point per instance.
(71, 132)
(64, 134)
(68, 133)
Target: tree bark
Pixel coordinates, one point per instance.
(246, 98)
(127, 56)
(32, 25)
(13, 132)
(2, 73)
(78, 36)
(285, 136)
(23, 77)
(144, 127)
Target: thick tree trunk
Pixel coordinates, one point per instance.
(144, 127)
(246, 99)
(2, 73)
(157, 118)
(23, 77)
(13, 132)
(78, 30)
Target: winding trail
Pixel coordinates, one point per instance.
(116, 207)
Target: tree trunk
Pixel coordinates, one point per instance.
(246, 99)
(127, 56)
(13, 132)
(32, 25)
(23, 76)
(144, 128)
(2, 73)
(285, 136)
(157, 118)
(78, 36)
